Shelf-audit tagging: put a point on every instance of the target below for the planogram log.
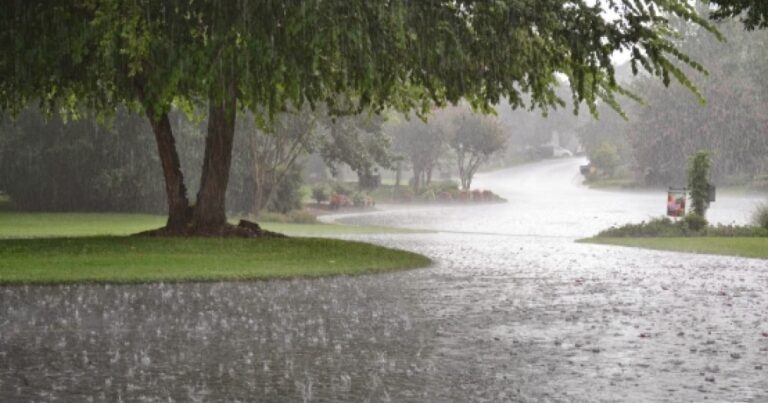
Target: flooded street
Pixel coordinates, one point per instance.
(512, 310)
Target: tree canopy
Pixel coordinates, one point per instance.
(390, 53)
(269, 55)
(474, 139)
(421, 145)
(753, 13)
(653, 145)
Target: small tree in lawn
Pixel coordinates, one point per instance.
(275, 152)
(698, 186)
(474, 140)
(422, 144)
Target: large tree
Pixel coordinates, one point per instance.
(229, 55)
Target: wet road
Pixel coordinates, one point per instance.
(548, 199)
(513, 310)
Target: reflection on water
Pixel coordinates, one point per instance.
(512, 310)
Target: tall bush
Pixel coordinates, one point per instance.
(698, 182)
(760, 216)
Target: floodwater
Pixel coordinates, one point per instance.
(512, 310)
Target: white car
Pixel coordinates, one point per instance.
(560, 152)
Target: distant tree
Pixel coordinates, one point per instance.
(474, 139)
(275, 152)
(674, 125)
(753, 13)
(610, 129)
(421, 144)
(226, 55)
(357, 141)
(54, 165)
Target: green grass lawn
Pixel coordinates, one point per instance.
(36, 225)
(754, 247)
(53, 248)
(139, 259)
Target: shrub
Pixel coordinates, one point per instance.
(446, 186)
(361, 199)
(340, 200)
(694, 222)
(691, 225)
(288, 194)
(358, 199)
(736, 230)
(606, 158)
(342, 188)
(591, 176)
(430, 192)
(445, 196)
(404, 194)
(463, 196)
(760, 216)
(476, 195)
(428, 195)
(659, 226)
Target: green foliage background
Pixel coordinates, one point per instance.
(659, 135)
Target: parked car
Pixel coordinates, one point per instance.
(550, 151)
(561, 152)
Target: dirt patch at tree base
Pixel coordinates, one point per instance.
(244, 229)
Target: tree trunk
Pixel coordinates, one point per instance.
(258, 176)
(416, 180)
(460, 164)
(463, 178)
(258, 192)
(210, 209)
(176, 193)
